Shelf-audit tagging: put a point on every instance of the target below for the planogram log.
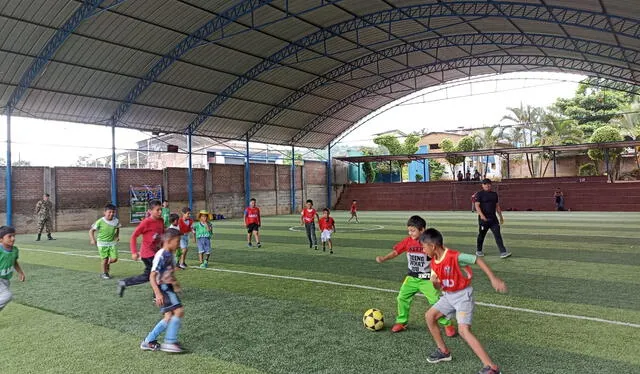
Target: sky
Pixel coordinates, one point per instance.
(463, 104)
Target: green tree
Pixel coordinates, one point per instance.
(606, 134)
(436, 170)
(525, 129)
(395, 147)
(557, 131)
(448, 146)
(486, 138)
(629, 124)
(368, 167)
(287, 158)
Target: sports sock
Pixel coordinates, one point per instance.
(172, 330)
(153, 335)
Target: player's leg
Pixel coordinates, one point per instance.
(482, 233)
(355, 214)
(150, 343)
(330, 242)
(138, 279)
(249, 236)
(184, 247)
(441, 308)
(256, 235)
(495, 229)
(307, 228)
(40, 228)
(5, 293)
(49, 228)
(405, 297)
(313, 235)
(172, 302)
(433, 296)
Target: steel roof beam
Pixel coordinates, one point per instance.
(505, 39)
(603, 70)
(86, 10)
(506, 10)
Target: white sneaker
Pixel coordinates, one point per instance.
(505, 255)
(479, 253)
(171, 347)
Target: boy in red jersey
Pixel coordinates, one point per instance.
(417, 279)
(354, 212)
(185, 223)
(327, 227)
(451, 272)
(151, 230)
(308, 219)
(252, 222)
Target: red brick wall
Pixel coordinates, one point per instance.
(177, 186)
(262, 177)
(284, 178)
(227, 178)
(315, 173)
(581, 194)
(82, 187)
(28, 188)
(135, 177)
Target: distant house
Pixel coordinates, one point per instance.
(433, 139)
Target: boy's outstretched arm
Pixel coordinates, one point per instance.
(388, 256)
(19, 271)
(134, 238)
(497, 283)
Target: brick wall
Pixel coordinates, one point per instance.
(135, 177)
(177, 178)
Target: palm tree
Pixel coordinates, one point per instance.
(629, 124)
(487, 138)
(526, 129)
(558, 131)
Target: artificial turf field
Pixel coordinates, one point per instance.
(285, 308)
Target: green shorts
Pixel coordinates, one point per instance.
(108, 251)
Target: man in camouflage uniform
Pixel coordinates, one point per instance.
(44, 208)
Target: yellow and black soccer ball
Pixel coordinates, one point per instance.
(373, 319)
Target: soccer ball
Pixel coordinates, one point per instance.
(373, 319)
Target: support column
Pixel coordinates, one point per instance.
(247, 175)
(508, 166)
(359, 167)
(114, 180)
(277, 184)
(606, 162)
(189, 168)
(391, 173)
(424, 172)
(555, 164)
(8, 186)
(329, 177)
(293, 179)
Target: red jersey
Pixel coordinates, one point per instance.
(308, 215)
(353, 207)
(326, 223)
(252, 215)
(151, 230)
(417, 261)
(185, 225)
(452, 277)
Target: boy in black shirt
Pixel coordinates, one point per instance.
(489, 210)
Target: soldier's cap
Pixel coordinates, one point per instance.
(6, 230)
(486, 181)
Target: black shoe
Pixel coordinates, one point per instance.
(38, 238)
(49, 237)
(315, 247)
(121, 288)
(331, 252)
(323, 249)
(489, 370)
(438, 356)
(259, 245)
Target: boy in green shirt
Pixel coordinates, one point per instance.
(8, 263)
(165, 213)
(203, 232)
(108, 229)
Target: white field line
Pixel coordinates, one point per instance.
(321, 281)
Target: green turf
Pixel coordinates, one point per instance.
(66, 319)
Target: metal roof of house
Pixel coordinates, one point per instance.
(286, 72)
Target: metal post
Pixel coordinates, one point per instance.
(554, 164)
(359, 177)
(606, 162)
(329, 177)
(424, 172)
(247, 176)
(114, 180)
(508, 167)
(8, 186)
(390, 173)
(293, 179)
(190, 168)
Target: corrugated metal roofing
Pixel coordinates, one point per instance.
(229, 68)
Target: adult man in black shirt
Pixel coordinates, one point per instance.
(489, 210)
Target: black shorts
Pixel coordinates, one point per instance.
(253, 227)
(171, 299)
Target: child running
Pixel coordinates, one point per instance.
(252, 222)
(308, 219)
(164, 285)
(203, 231)
(173, 224)
(451, 271)
(166, 213)
(186, 228)
(108, 229)
(327, 226)
(417, 279)
(8, 263)
(354, 211)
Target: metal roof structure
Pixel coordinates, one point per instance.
(491, 152)
(290, 72)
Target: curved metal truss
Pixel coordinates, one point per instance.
(465, 9)
(616, 85)
(602, 70)
(86, 10)
(584, 46)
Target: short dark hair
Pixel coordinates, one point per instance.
(173, 217)
(47, 195)
(165, 201)
(432, 236)
(171, 233)
(417, 222)
(310, 201)
(252, 199)
(154, 203)
(6, 230)
(109, 206)
(486, 181)
(326, 210)
(186, 210)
